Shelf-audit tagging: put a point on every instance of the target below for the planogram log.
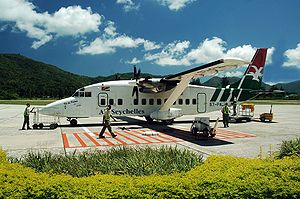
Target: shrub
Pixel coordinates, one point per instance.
(218, 177)
(118, 161)
(289, 148)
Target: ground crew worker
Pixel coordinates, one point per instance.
(234, 104)
(106, 122)
(26, 117)
(225, 111)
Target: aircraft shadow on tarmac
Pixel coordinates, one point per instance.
(159, 127)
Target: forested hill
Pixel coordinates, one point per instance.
(21, 77)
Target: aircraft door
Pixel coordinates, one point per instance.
(201, 102)
(102, 99)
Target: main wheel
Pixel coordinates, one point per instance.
(73, 122)
(149, 119)
(35, 126)
(170, 121)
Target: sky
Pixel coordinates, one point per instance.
(161, 37)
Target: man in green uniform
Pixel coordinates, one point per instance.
(106, 122)
(26, 117)
(225, 111)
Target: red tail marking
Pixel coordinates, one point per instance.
(258, 61)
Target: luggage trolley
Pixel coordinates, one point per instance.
(201, 128)
(40, 121)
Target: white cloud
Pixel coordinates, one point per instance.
(231, 74)
(293, 57)
(133, 61)
(110, 40)
(177, 53)
(43, 27)
(128, 5)
(175, 5)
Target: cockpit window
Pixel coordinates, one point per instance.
(75, 94)
(81, 94)
(88, 94)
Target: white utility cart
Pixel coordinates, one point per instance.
(201, 127)
(40, 121)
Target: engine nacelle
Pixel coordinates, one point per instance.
(167, 115)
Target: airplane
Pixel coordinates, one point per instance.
(162, 99)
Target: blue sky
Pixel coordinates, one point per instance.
(103, 37)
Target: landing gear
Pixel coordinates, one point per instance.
(53, 126)
(73, 122)
(168, 122)
(149, 119)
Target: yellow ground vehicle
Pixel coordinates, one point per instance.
(266, 116)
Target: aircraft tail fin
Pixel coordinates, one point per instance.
(252, 78)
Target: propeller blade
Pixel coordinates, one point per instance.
(135, 91)
(139, 74)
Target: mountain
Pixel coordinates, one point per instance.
(22, 77)
(292, 87)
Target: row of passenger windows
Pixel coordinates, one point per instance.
(149, 101)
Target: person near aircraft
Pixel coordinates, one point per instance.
(234, 104)
(225, 112)
(106, 122)
(26, 117)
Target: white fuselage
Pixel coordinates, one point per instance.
(91, 101)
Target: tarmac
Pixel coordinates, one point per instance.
(245, 139)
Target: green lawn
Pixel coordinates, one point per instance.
(37, 102)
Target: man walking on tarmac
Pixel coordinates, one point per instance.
(106, 123)
(26, 117)
(225, 111)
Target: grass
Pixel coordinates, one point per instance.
(118, 161)
(289, 148)
(279, 102)
(37, 102)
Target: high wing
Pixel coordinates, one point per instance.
(204, 70)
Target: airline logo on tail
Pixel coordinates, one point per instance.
(255, 72)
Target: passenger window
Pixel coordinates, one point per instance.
(151, 101)
(135, 101)
(158, 101)
(180, 101)
(144, 102)
(194, 101)
(111, 101)
(187, 101)
(81, 94)
(88, 94)
(120, 101)
(165, 100)
(103, 102)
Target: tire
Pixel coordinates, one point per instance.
(262, 119)
(73, 122)
(168, 122)
(149, 119)
(53, 126)
(205, 132)
(41, 125)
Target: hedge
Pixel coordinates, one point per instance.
(218, 177)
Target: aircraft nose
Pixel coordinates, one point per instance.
(49, 110)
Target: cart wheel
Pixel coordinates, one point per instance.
(262, 119)
(41, 125)
(248, 119)
(53, 126)
(205, 132)
(35, 126)
(194, 131)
